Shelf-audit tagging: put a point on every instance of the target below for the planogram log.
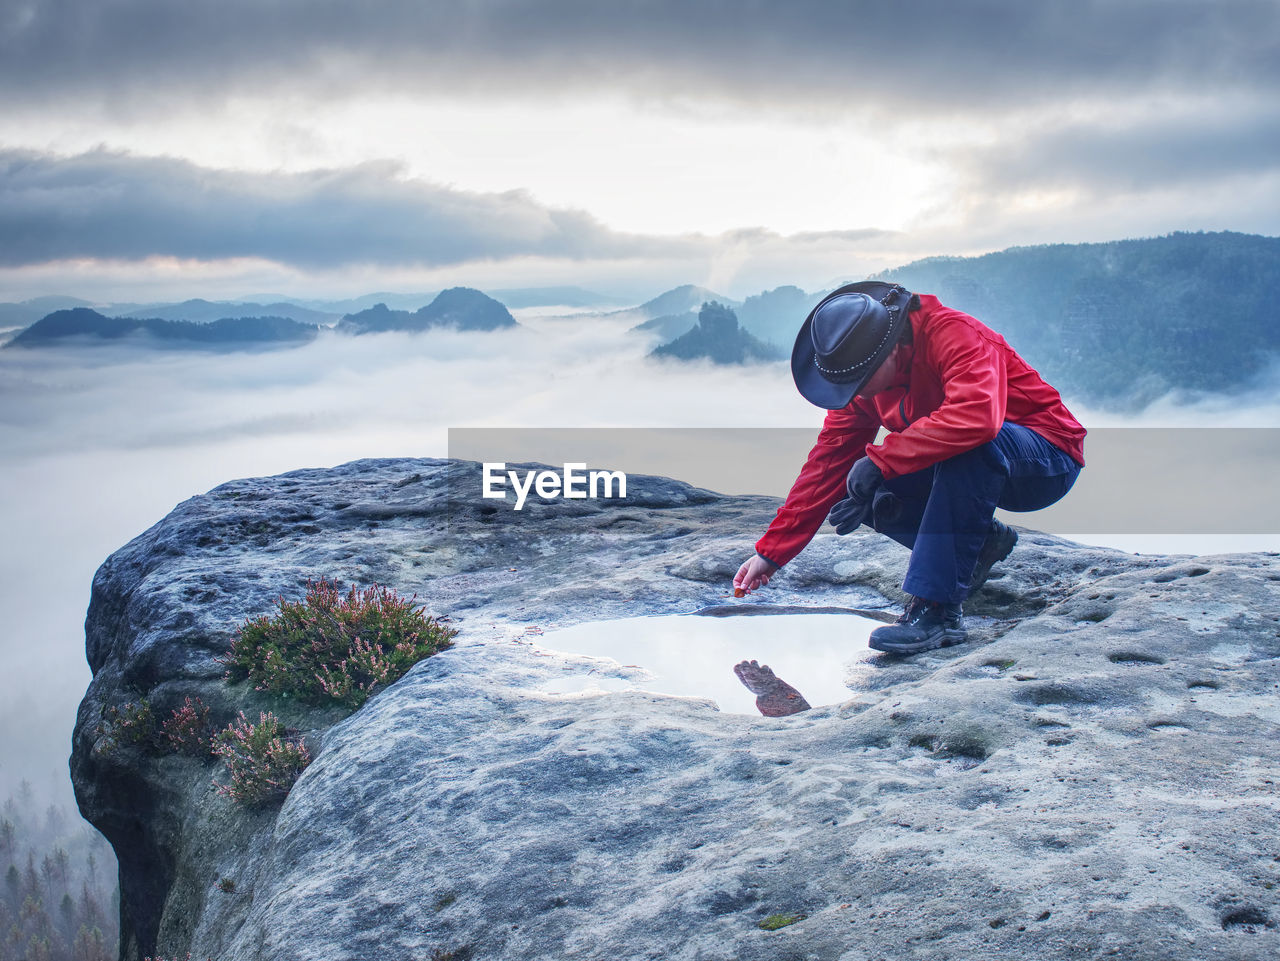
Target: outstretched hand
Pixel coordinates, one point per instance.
(754, 573)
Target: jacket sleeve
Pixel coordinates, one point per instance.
(972, 411)
(843, 439)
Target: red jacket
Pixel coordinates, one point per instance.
(958, 382)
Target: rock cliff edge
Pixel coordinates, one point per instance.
(1094, 774)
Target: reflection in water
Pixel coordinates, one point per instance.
(823, 655)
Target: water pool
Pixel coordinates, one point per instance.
(822, 655)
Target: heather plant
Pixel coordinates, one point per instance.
(129, 723)
(262, 760)
(335, 648)
(188, 729)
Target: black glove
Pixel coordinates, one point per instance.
(886, 509)
(862, 483)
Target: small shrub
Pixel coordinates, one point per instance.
(227, 886)
(129, 723)
(262, 760)
(335, 649)
(188, 730)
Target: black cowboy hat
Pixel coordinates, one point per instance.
(846, 338)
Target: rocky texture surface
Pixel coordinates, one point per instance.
(1093, 775)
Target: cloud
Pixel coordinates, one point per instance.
(1195, 165)
(1157, 152)
(137, 214)
(927, 54)
(109, 205)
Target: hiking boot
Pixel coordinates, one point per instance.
(997, 546)
(923, 626)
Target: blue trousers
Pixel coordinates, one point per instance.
(943, 513)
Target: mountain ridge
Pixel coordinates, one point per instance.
(85, 325)
(717, 336)
(463, 308)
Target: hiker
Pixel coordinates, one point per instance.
(972, 428)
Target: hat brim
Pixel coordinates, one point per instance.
(811, 382)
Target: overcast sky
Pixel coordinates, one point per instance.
(231, 147)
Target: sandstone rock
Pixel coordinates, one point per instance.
(1095, 773)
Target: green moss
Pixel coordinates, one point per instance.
(775, 921)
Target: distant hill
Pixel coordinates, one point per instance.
(466, 309)
(775, 316)
(719, 338)
(354, 305)
(669, 325)
(1126, 320)
(204, 311)
(82, 325)
(375, 320)
(1112, 323)
(460, 307)
(672, 313)
(680, 300)
(29, 311)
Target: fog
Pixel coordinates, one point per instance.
(101, 442)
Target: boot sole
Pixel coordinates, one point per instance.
(947, 638)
